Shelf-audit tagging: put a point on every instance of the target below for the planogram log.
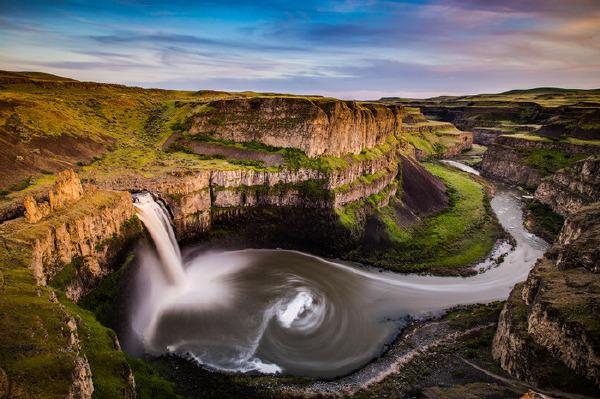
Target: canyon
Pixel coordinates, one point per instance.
(350, 180)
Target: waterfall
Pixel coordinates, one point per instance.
(156, 219)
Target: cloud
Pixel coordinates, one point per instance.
(558, 8)
(364, 47)
(174, 39)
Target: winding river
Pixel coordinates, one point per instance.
(278, 311)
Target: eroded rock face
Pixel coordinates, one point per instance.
(553, 317)
(316, 126)
(193, 195)
(506, 159)
(511, 347)
(578, 240)
(83, 385)
(66, 190)
(86, 235)
(34, 211)
(504, 162)
(571, 188)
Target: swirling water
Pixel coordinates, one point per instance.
(286, 311)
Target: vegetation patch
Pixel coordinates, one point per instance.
(349, 215)
(446, 243)
(149, 383)
(550, 160)
(544, 221)
(32, 341)
(21, 185)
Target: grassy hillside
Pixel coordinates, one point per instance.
(544, 96)
(49, 123)
(546, 111)
(448, 242)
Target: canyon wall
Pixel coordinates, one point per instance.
(77, 230)
(569, 189)
(316, 126)
(433, 139)
(526, 161)
(550, 323)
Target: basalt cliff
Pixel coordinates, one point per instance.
(525, 160)
(549, 326)
(317, 127)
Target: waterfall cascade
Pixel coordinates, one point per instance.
(156, 219)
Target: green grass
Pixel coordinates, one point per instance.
(434, 143)
(32, 340)
(68, 272)
(21, 185)
(444, 243)
(149, 382)
(108, 365)
(550, 160)
(293, 158)
(395, 233)
(34, 343)
(348, 214)
(364, 179)
(568, 140)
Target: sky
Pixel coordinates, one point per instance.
(347, 49)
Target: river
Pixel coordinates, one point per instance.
(279, 311)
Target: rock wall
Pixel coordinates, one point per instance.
(66, 190)
(578, 240)
(511, 346)
(316, 126)
(505, 164)
(447, 141)
(569, 189)
(85, 235)
(505, 159)
(553, 318)
(463, 141)
(192, 194)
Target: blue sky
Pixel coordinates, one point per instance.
(348, 49)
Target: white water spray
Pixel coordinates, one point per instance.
(156, 219)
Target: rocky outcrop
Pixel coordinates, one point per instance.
(316, 126)
(514, 160)
(551, 321)
(511, 347)
(66, 190)
(434, 139)
(578, 240)
(569, 189)
(506, 164)
(34, 211)
(486, 135)
(461, 142)
(82, 236)
(82, 386)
